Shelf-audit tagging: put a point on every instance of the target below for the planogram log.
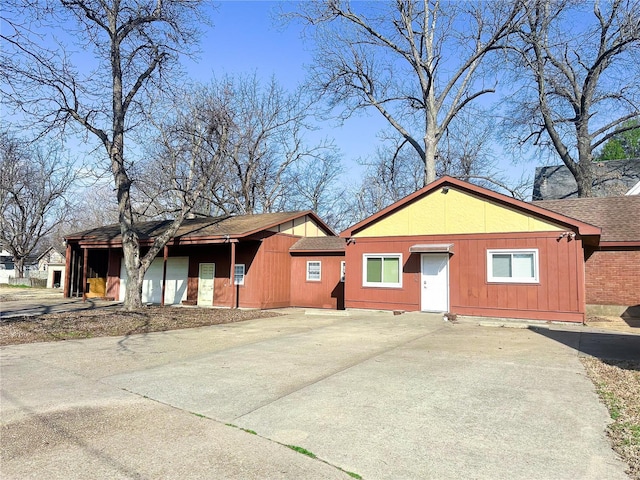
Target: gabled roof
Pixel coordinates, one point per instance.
(582, 228)
(619, 217)
(613, 178)
(319, 244)
(223, 227)
(48, 250)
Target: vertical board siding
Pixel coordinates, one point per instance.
(113, 274)
(326, 293)
(555, 297)
(270, 282)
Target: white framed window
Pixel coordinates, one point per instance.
(314, 271)
(238, 274)
(512, 266)
(382, 270)
(343, 270)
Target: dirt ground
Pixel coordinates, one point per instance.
(618, 385)
(113, 322)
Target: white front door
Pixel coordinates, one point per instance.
(435, 282)
(205, 283)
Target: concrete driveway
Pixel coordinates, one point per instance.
(382, 396)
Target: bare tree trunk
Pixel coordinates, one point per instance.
(18, 264)
(135, 277)
(430, 151)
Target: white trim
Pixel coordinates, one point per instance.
(635, 190)
(235, 274)
(366, 256)
(513, 251)
(319, 271)
(343, 270)
(427, 286)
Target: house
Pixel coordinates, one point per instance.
(228, 261)
(456, 247)
(612, 267)
(32, 276)
(52, 264)
(613, 178)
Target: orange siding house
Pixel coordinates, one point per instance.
(455, 247)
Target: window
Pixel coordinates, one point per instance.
(313, 271)
(515, 266)
(238, 274)
(343, 270)
(382, 270)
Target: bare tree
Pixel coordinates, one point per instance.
(136, 45)
(186, 158)
(35, 181)
(417, 62)
(313, 184)
(582, 79)
(258, 161)
(465, 152)
(268, 139)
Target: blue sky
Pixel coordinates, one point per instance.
(247, 37)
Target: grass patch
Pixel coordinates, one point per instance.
(618, 385)
(353, 475)
(301, 450)
(252, 432)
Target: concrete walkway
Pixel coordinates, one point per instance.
(385, 397)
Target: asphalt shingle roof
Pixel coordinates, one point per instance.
(613, 178)
(235, 226)
(319, 244)
(618, 217)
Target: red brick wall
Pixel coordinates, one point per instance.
(613, 277)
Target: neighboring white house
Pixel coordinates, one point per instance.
(50, 265)
(52, 262)
(6, 266)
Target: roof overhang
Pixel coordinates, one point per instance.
(431, 248)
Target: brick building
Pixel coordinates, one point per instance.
(612, 267)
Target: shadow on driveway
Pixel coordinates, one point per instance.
(42, 307)
(605, 346)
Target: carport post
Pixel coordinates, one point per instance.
(164, 273)
(232, 274)
(84, 274)
(67, 272)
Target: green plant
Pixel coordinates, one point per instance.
(301, 450)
